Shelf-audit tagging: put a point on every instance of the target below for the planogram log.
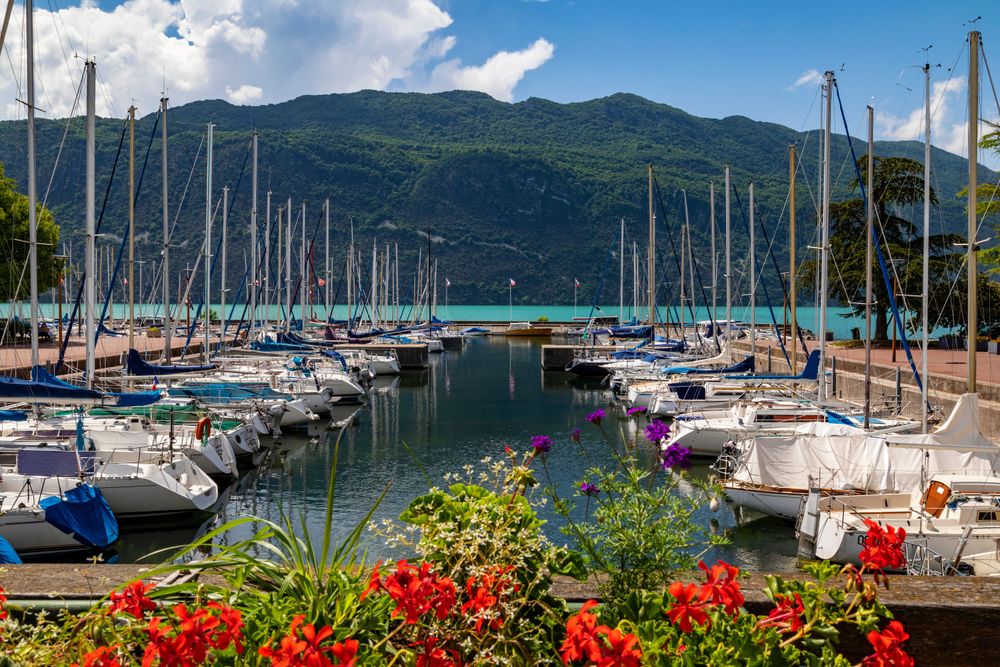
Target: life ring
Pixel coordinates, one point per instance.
(203, 429)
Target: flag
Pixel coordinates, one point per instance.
(126, 280)
(447, 283)
(576, 283)
(512, 283)
(322, 282)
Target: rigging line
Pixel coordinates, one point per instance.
(777, 270)
(97, 229)
(69, 121)
(989, 76)
(673, 250)
(62, 47)
(158, 276)
(878, 251)
(767, 295)
(125, 236)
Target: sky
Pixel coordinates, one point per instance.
(763, 59)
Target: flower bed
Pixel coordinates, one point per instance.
(477, 590)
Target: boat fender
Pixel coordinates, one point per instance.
(203, 428)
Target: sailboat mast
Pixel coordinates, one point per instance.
(729, 270)
(222, 287)
(715, 263)
(90, 259)
(621, 271)
(972, 324)
(794, 327)
(753, 280)
(208, 242)
(869, 232)
(266, 278)
(254, 280)
(29, 36)
(825, 240)
(651, 254)
(684, 241)
(131, 226)
(288, 265)
(165, 266)
(304, 290)
(326, 263)
(927, 248)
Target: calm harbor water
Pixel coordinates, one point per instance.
(467, 405)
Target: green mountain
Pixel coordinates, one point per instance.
(532, 190)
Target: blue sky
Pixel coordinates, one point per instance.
(709, 59)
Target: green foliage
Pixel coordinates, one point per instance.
(640, 527)
(14, 234)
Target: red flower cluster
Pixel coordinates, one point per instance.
(888, 649)
(484, 592)
(3, 605)
(598, 644)
(691, 600)
(434, 655)
(302, 648)
(189, 641)
(883, 547)
(132, 600)
(786, 615)
(415, 590)
(102, 656)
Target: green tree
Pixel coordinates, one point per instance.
(898, 182)
(14, 279)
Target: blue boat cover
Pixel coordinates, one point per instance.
(810, 372)
(83, 513)
(13, 415)
(137, 399)
(108, 332)
(8, 556)
(745, 366)
(136, 365)
(333, 354)
(43, 387)
(272, 346)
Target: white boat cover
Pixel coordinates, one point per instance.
(845, 458)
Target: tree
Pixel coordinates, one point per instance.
(898, 182)
(15, 282)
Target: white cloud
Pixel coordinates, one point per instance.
(245, 94)
(250, 51)
(498, 76)
(948, 126)
(811, 77)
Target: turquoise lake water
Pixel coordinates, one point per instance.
(807, 316)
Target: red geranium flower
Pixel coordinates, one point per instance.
(132, 600)
(102, 656)
(581, 641)
(303, 649)
(231, 632)
(883, 547)
(721, 586)
(689, 606)
(374, 582)
(484, 593)
(345, 652)
(887, 645)
(620, 651)
(786, 615)
(433, 655)
(417, 591)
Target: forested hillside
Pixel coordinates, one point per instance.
(532, 190)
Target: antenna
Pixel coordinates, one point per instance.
(973, 21)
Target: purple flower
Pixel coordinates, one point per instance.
(635, 411)
(656, 431)
(675, 456)
(588, 489)
(542, 444)
(575, 435)
(596, 416)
